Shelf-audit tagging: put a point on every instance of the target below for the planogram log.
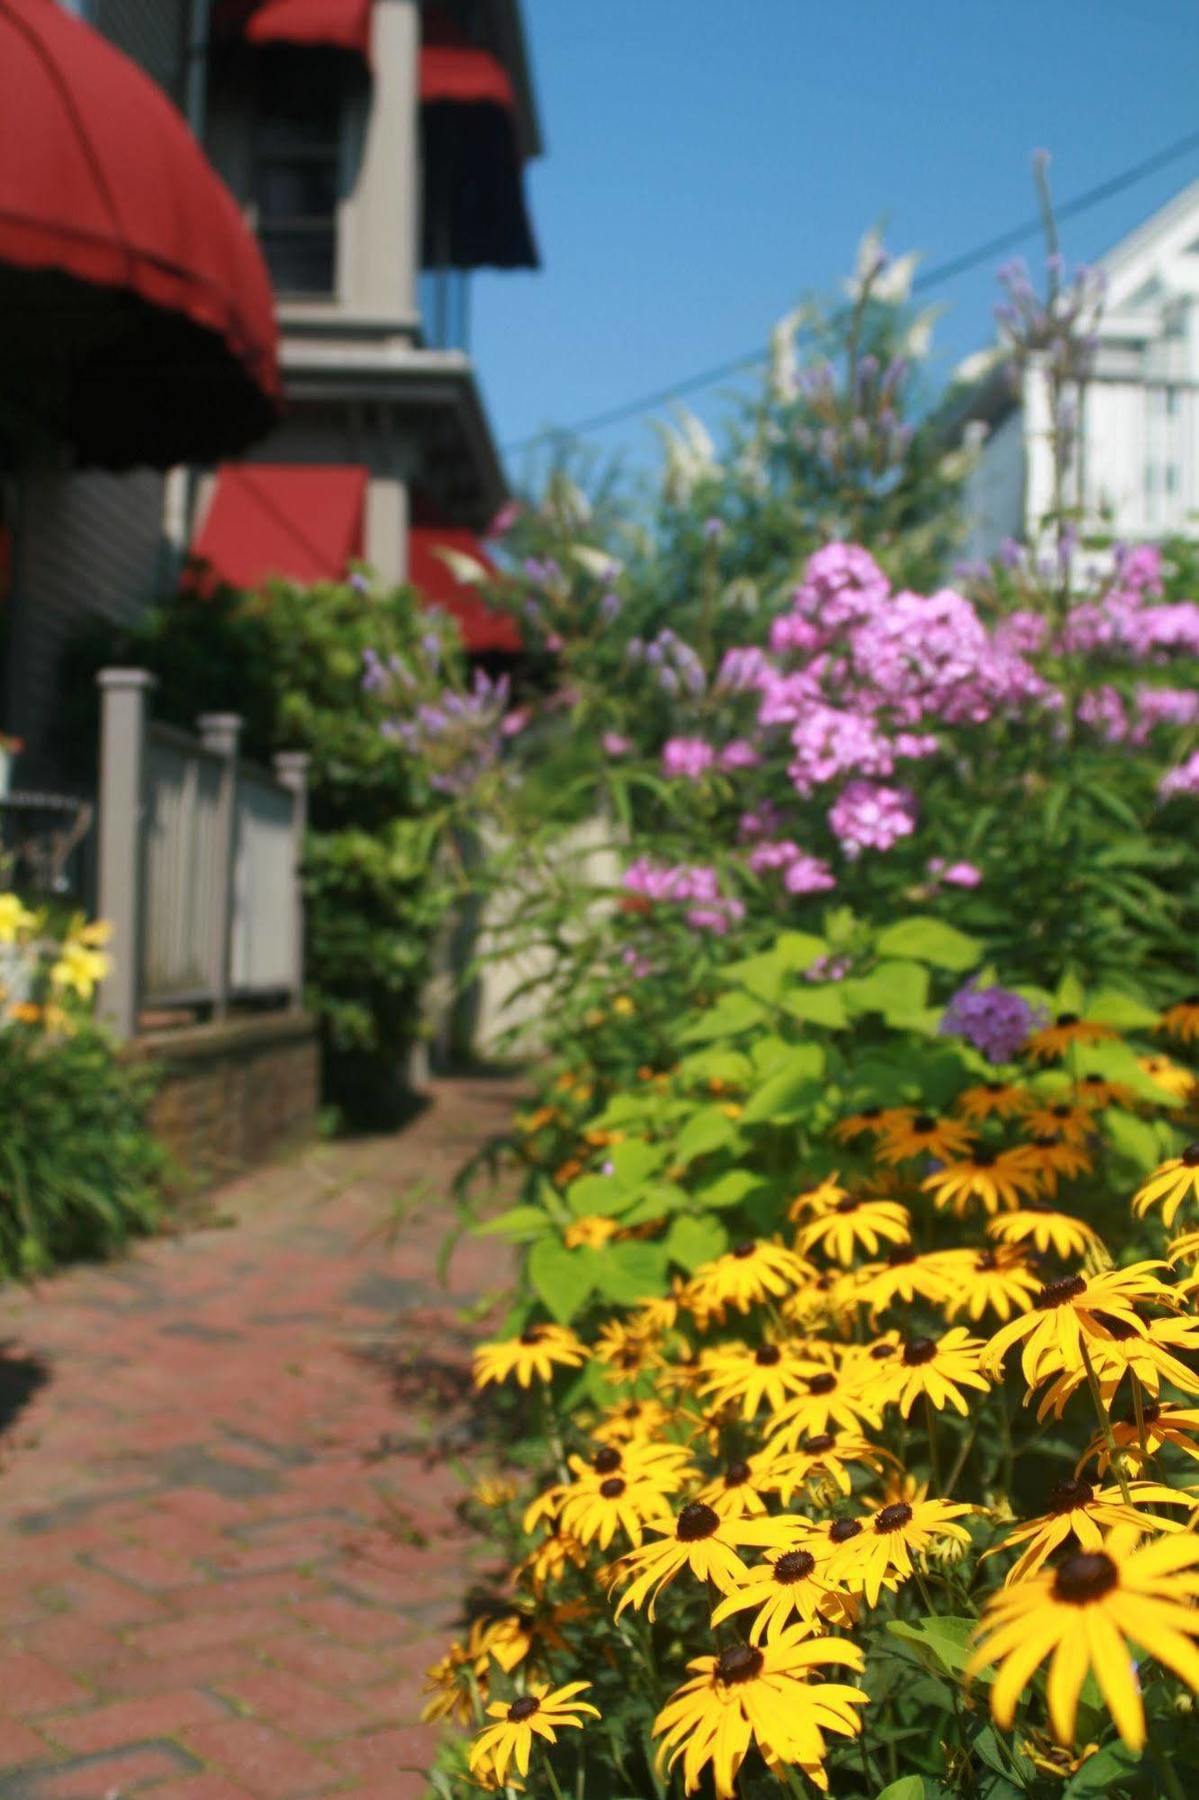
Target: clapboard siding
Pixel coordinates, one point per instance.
(152, 32)
(88, 546)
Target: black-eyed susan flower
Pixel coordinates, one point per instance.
(1165, 1424)
(751, 1378)
(763, 1694)
(740, 1490)
(700, 1540)
(1065, 1310)
(819, 1199)
(547, 1563)
(624, 1350)
(1175, 1181)
(855, 1223)
(542, 1712)
(592, 1231)
(997, 1280)
(1045, 1230)
(883, 1545)
(1051, 1759)
(630, 1420)
(904, 1277)
(992, 1100)
(1182, 1019)
(597, 1506)
(533, 1356)
(666, 1465)
(1096, 1091)
(1083, 1614)
(785, 1587)
(825, 1462)
(450, 1687)
(1078, 1510)
(1064, 1119)
(1064, 1034)
(936, 1368)
(494, 1491)
(1054, 1159)
(994, 1178)
(758, 1269)
(872, 1120)
(1147, 1350)
(830, 1400)
(1173, 1078)
(925, 1134)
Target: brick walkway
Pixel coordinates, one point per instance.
(200, 1451)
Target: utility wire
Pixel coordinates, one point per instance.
(932, 277)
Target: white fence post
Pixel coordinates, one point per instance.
(220, 733)
(291, 770)
(123, 697)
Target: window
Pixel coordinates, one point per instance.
(297, 171)
(445, 308)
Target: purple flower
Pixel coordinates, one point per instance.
(866, 816)
(1182, 780)
(808, 875)
(993, 1019)
(958, 874)
(688, 758)
(740, 754)
(713, 529)
(613, 744)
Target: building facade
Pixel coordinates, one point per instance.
(1135, 471)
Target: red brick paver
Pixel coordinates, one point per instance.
(200, 1449)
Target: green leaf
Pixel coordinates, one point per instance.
(709, 1129)
(562, 1278)
(822, 1003)
(518, 1221)
(930, 940)
(693, 1240)
(1134, 1138)
(1116, 1062)
(732, 1014)
(909, 1787)
(798, 950)
(730, 1189)
(1070, 996)
(893, 987)
(783, 1093)
(601, 1194)
(941, 1641)
(633, 1161)
(1101, 1772)
(1121, 1010)
(762, 975)
(630, 1273)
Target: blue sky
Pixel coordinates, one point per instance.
(711, 161)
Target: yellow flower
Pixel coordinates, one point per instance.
(703, 1542)
(904, 1277)
(494, 1491)
(763, 1695)
(15, 919)
(1051, 1759)
(592, 1231)
(1165, 1423)
(818, 1200)
(549, 1561)
(1070, 1122)
(449, 1686)
(883, 1541)
(993, 1100)
(1170, 1076)
(1053, 1157)
(768, 1375)
(828, 1400)
(752, 1272)
(78, 969)
(1065, 1312)
(631, 1421)
(739, 1492)
(1182, 1019)
(855, 1221)
(1096, 1092)
(873, 1119)
(997, 1178)
(1045, 1230)
(788, 1586)
(1175, 1181)
(542, 1711)
(1066, 1031)
(938, 1368)
(597, 1508)
(979, 1281)
(925, 1135)
(1143, 1348)
(624, 1006)
(1082, 1614)
(534, 1355)
(1078, 1511)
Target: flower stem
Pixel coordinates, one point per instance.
(548, 1766)
(934, 1457)
(1105, 1424)
(1138, 1407)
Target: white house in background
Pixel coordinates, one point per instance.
(1137, 469)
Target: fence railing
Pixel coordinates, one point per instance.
(199, 855)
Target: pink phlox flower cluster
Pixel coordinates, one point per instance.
(842, 585)
(739, 754)
(1020, 633)
(955, 874)
(1155, 707)
(931, 656)
(743, 669)
(639, 966)
(829, 742)
(615, 744)
(1139, 568)
(1182, 780)
(773, 855)
(1123, 624)
(1102, 709)
(687, 758)
(806, 874)
(695, 885)
(867, 816)
(829, 968)
(916, 744)
(759, 822)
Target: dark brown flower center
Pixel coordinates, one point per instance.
(995, 1087)
(870, 1112)
(1189, 1000)
(841, 1530)
(1120, 1329)
(1190, 1157)
(737, 1474)
(880, 1352)
(606, 1460)
(1065, 1496)
(1061, 1292)
(1066, 1019)
(1086, 1576)
(822, 1384)
(1094, 1080)
(696, 1521)
(793, 1566)
(1062, 1110)
(985, 1159)
(901, 1254)
(745, 1249)
(740, 1662)
(1151, 1412)
(919, 1350)
(613, 1488)
(850, 1204)
(986, 1262)
(924, 1123)
(768, 1357)
(523, 1709)
(893, 1518)
(824, 1440)
(532, 1334)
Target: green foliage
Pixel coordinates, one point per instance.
(79, 1173)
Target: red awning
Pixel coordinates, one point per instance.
(463, 75)
(482, 628)
(301, 522)
(138, 318)
(340, 24)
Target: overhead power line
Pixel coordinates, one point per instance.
(930, 278)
